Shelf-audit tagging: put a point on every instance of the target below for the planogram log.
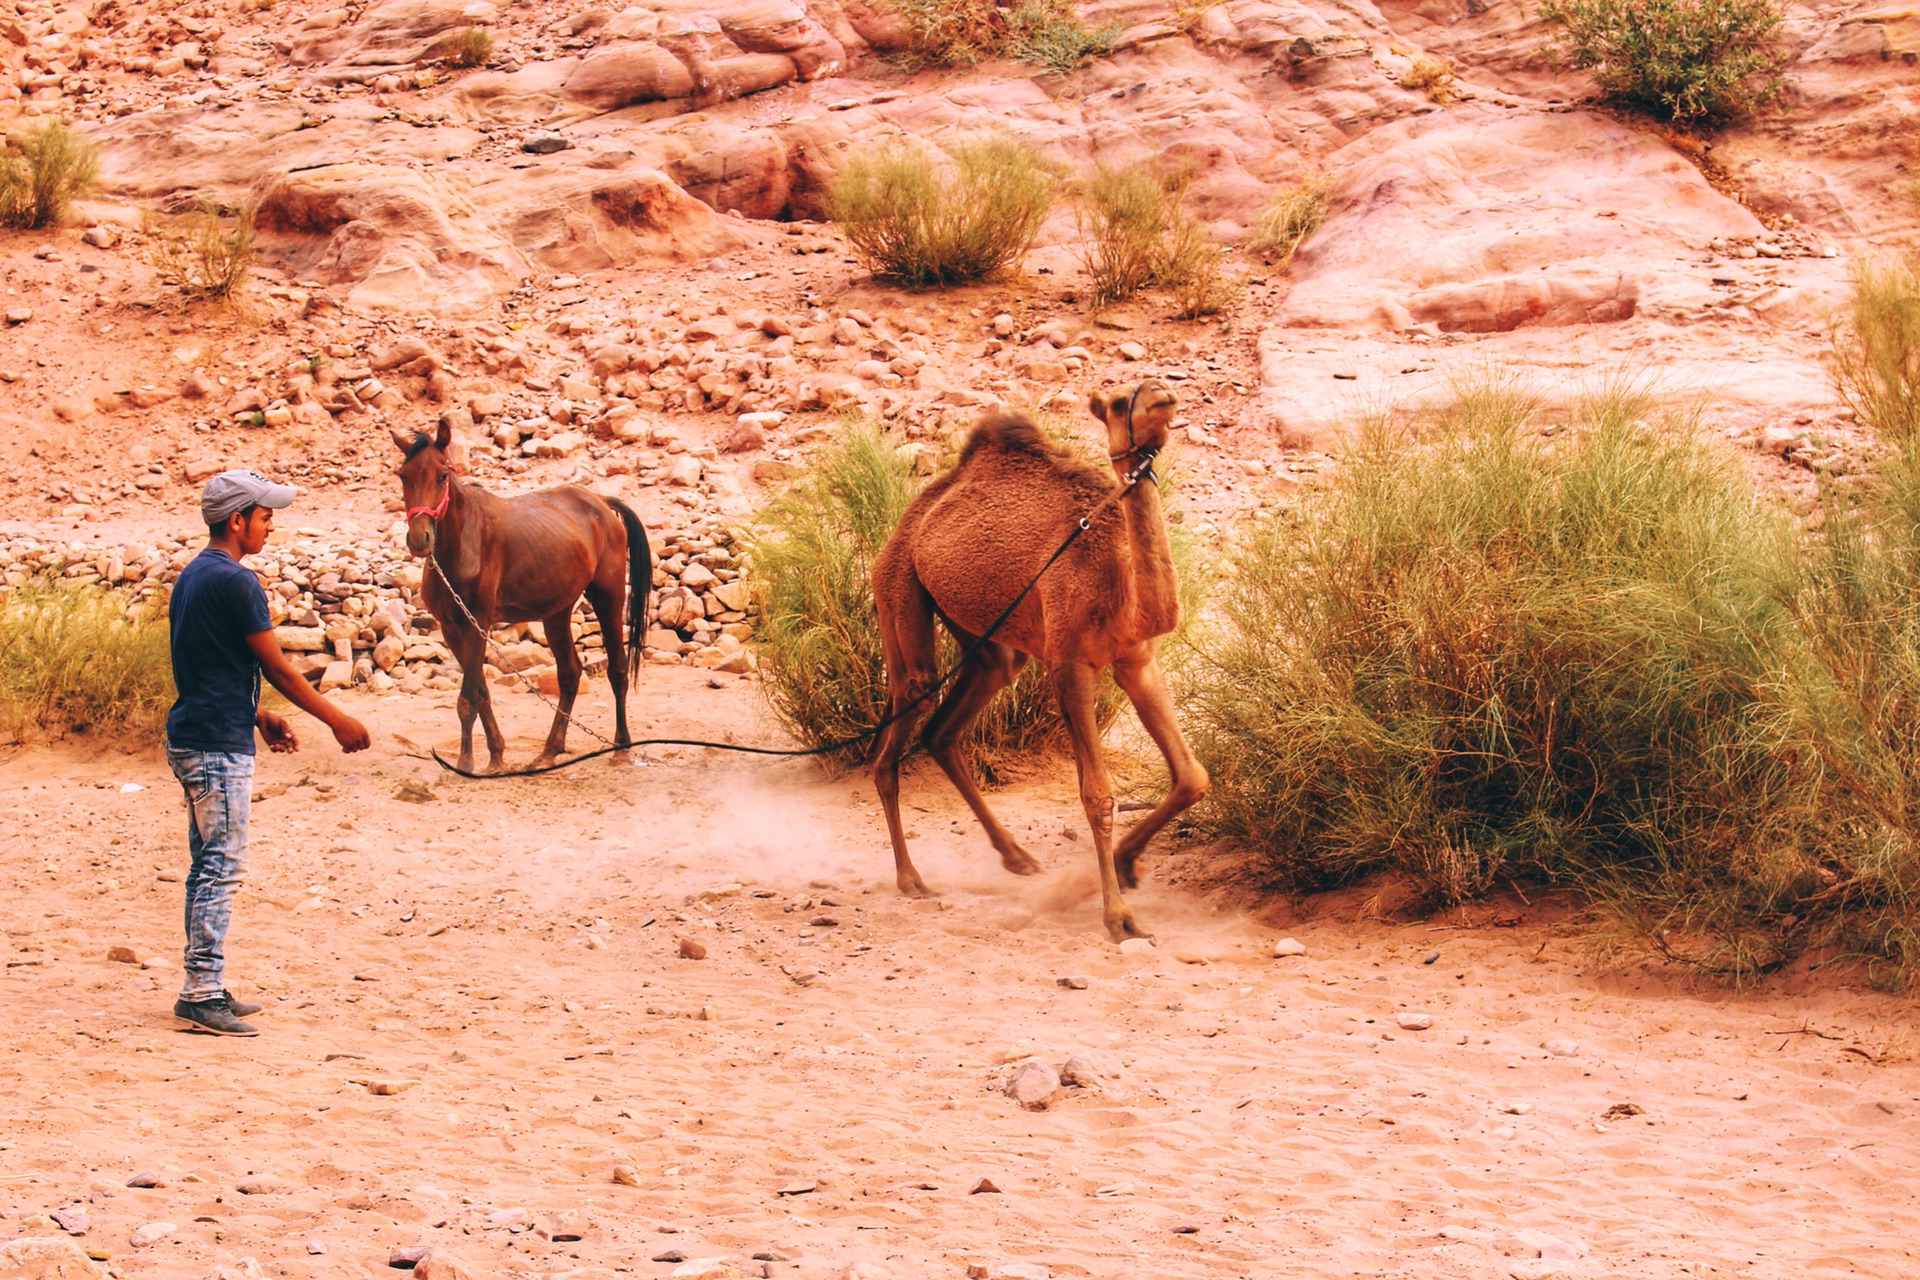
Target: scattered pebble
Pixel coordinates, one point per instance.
(1075, 983)
(984, 1187)
(408, 1256)
(1413, 1021)
(1136, 946)
(1563, 1048)
(1289, 947)
(691, 950)
(1033, 1085)
(145, 1180)
(152, 1233)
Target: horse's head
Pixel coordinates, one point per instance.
(426, 482)
(1138, 418)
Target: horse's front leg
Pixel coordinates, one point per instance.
(469, 651)
(566, 665)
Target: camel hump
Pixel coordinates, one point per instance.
(1015, 434)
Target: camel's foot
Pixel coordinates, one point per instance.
(1123, 868)
(1122, 927)
(1019, 861)
(912, 886)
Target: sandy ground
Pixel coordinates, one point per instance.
(820, 1096)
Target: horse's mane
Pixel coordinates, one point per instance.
(1014, 433)
(420, 441)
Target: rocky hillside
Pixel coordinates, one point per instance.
(601, 253)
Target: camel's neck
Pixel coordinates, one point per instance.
(1155, 592)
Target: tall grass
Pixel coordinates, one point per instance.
(923, 219)
(1494, 654)
(74, 660)
(1875, 353)
(821, 666)
(42, 172)
(1689, 61)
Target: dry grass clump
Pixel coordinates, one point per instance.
(1133, 235)
(1688, 61)
(923, 219)
(1434, 76)
(73, 659)
(1875, 352)
(1045, 33)
(204, 255)
(467, 47)
(1286, 223)
(42, 172)
(822, 670)
(1497, 654)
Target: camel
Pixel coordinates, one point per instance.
(964, 550)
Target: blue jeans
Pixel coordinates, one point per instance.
(219, 787)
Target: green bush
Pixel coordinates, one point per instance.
(467, 47)
(925, 220)
(822, 670)
(1876, 348)
(1500, 654)
(960, 33)
(1682, 60)
(1286, 223)
(204, 257)
(74, 659)
(42, 172)
(1125, 214)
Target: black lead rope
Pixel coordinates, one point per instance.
(1141, 471)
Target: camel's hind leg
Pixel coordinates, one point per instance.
(989, 671)
(1145, 685)
(905, 616)
(1074, 682)
(566, 665)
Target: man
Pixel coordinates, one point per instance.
(222, 642)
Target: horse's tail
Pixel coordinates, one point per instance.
(639, 584)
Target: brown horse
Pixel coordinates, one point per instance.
(518, 560)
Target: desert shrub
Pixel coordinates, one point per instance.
(75, 659)
(467, 47)
(203, 256)
(1125, 214)
(960, 33)
(1186, 14)
(1682, 60)
(1432, 75)
(1194, 270)
(924, 219)
(42, 172)
(1502, 654)
(1286, 223)
(1875, 353)
(822, 670)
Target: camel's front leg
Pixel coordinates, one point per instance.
(1074, 683)
(1145, 685)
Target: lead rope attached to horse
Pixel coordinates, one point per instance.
(1143, 470)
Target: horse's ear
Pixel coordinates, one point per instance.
(444, 436)
(402, 440)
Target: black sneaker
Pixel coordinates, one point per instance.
(216, 1016)
(242, 1008)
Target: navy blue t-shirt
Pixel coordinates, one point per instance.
(216, 604)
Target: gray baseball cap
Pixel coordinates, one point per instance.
(232, 491)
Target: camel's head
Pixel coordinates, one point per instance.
(426, 481)
(1138, 418)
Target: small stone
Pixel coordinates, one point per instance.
(545, 144)
(316, 1247)
(1033, 1085)
(1137, 947)
(691, 950)
(145, 1180)
(71, 1221)
(1289, 947)
(101, 237)
(18, 315)
(671, 1255)
(388, 1088)
(1563, 1048)
(39, 1224)
(984, 1187)
(1516, 1108)
(152, 1233)
(1003, 325)
(1074, 983)
(627, 1176)
(265, 1186)
(408, 1256)
(799, 1188)
(1132, 351)
(1413, 1021)
(705, 1269)
(123, 955)
(1085, 1071)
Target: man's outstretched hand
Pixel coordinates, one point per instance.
(278, 733)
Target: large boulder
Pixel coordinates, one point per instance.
(583, 218)
(632, 71)
(47, 1258)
